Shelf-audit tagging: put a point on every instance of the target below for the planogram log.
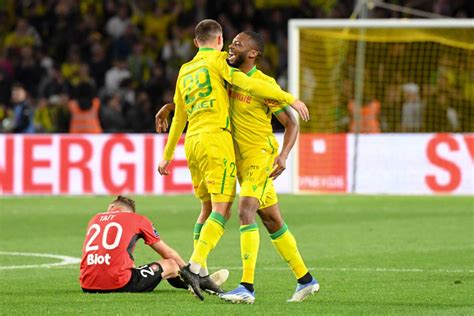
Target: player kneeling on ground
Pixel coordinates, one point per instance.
(107, 262)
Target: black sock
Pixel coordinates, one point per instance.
(248, 286)
(177, 283)
(305, 278)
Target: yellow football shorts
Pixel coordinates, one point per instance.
(211, 160)
(253, 172)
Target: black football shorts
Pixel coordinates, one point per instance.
(144, 279)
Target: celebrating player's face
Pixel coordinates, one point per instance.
(238, 50)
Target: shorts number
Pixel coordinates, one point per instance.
(96, 228)
(203, 82)
(232, 173)
(145, 271)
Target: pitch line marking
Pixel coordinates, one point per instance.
(358, 269)
(66, 260)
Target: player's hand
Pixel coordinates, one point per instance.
(161, 119)
(163, 167)
(302, 110)
(279, 166)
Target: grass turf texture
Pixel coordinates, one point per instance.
(344, 239)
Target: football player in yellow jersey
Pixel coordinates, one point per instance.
(258, 163)
(202, 102)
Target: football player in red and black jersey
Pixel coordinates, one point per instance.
(107, 262)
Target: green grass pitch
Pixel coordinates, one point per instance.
(371, 255)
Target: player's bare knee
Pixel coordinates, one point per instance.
(247, 209)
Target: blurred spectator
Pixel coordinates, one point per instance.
(127, 93)
(53, 84)
(5, 88)
(177, 49)
(117, 24)
(411, 108)
(139, 65)
(22, 111)
(98, 64)
(122, 47)
(24, 35)
(6, 119)
(63, 116)
(45, 117)
(115, 75)
(29, 72)
(112, 118)
(140, 117)
(368, 117)
(85, 112)
(70, 68)
(156, 22)
(83, 81)
(156, 86)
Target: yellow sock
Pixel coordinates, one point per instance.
(211, 233)
(249, 243)
(197, 233)
(285, 244)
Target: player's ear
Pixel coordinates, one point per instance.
(196, 43)
(253, 53)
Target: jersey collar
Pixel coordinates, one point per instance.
(252, 71)
(205, 49)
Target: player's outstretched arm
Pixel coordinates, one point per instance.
(161, 117)
(263, 89)
(166, 252)
(287, 119)
(302, 109)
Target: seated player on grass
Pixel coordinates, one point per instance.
(107, 263)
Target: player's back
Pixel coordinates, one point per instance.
(203, 93)
(251, 117)
(108, 246)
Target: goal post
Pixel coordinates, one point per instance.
(418, 77)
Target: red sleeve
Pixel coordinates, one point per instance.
(149, 233)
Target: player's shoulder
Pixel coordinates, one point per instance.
(223, 55)
(263, 76)
(184, 67)
(219, 58)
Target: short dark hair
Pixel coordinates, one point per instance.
(18, 85)
(257, 41)
(125, 201)
(206, 30)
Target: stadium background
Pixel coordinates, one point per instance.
(373, 254)
(128, 53)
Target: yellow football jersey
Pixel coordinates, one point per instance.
(251, 117)
(201, 97)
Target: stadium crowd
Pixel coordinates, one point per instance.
(124, 56)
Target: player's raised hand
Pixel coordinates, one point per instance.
(302, 109)
(163, 167)
(278, 166)
(161, 118)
